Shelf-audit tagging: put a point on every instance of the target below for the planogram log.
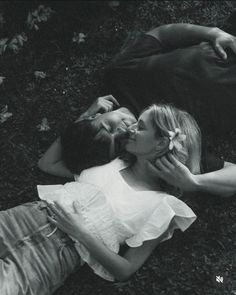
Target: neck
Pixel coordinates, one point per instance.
(142, 174)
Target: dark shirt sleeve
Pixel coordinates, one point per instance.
(209, 161)
(138, 46)
(125, 76)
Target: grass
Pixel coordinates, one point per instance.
(186, 264)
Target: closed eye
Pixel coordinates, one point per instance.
(141, 125)
(106, 127)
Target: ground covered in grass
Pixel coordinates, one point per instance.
(52, 77)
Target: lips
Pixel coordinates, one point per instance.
(130, 138)
(122, 133)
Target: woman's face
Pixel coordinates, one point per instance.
(142, 140)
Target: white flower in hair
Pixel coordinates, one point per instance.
(175, 138)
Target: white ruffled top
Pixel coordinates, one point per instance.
(116, 213)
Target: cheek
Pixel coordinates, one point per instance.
(130, 146)
(146, 143)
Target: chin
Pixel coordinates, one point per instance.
(128, 148)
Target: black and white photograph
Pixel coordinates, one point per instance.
(117, 147)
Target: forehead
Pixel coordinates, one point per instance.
(146, 117)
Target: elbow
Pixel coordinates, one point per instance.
(42, 165)
(122, 278)
(228, 194)
(124, 275)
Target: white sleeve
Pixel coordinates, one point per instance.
(169, 215)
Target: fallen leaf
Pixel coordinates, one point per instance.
(113, 4)
(2, 20)
(3, 45)
(4, 114)
(79, 37)
(87, 71)
(41, 14)
(44, 126)
(39, 75)
(2, 79)
(17, 42)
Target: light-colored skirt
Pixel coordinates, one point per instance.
(35, 257)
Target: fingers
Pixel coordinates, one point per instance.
(52, 220)
(220, 50)
(57, 209)
(106, 106)
(164, 164)
(154, 170)
(173, 160)
(225, 41)
(233, 45)
(106, 103)
(111, 98)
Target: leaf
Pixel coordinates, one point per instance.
(44, 126)
(2, 20)
(39, 75)
(114, 4)
(4, 114)
(17, 42)
(79, 38)
(3, 45)
(36, 27)
(2, 79)
(41, 14)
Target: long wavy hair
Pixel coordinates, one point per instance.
(167, 118)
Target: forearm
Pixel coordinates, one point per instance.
(51, 162)
(117, 265)
(178, 35)
(221, 182)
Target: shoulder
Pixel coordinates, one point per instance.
(99, 175)
(137, 45)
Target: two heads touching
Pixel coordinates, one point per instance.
(162, 131)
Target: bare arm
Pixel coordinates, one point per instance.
(181, 35)
(52, 163)
(221, 182)
(121, 267)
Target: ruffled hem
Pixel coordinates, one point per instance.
(171, 214)
(96, 212)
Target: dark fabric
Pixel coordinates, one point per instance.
(209, 161)
(147, 71)
(194, 78)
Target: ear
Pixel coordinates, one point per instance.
(162, 146)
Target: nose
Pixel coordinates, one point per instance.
(132, 129)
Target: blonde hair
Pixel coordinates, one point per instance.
(167, 118)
